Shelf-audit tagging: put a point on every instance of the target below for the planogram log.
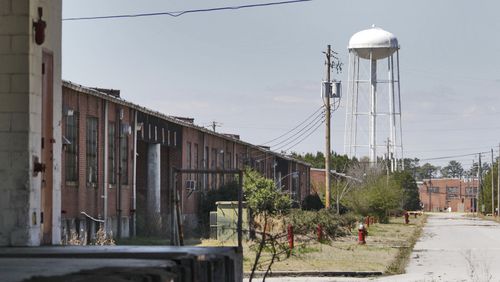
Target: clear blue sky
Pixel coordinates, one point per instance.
(258, 71)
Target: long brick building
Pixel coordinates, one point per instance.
(441, 194)
(117, 156)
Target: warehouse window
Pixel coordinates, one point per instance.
(188, 154)
(124, 158)
(112, 153)
(71, 152)
(91, 150)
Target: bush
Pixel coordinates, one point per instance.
(227, 192)
(376, 197)
(312, 203)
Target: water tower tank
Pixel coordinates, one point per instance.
(381, 43)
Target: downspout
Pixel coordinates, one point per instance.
(134, 178)
(119, 178)
(105, 167)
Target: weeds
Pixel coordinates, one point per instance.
(403, 256)
(101, 239)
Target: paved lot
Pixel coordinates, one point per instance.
(453, 247)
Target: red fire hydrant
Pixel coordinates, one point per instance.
(407, 217)
(290, 236)
(362, 233)
(320, 233)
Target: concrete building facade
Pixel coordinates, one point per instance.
(441, 194)
(30, 122)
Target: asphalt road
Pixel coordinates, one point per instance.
(453, 247)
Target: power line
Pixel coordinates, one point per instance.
(305, 137)
(300, 135)
(301, 130)
(297, 126)
(455, 156)
(180, 13)
(258, 158)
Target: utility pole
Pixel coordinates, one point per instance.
(480, 183)
(430, 191)
(498, 181)
(327, 133)
(492, 187)
(214, 125)
(388, 161)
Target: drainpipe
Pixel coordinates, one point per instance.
(134, 178)
(118, 179)
(105, 167)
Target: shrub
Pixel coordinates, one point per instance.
(312, 203)
(306, 223)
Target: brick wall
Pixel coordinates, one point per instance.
(455, 193)
(81, 196)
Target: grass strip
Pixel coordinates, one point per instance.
(402, 258)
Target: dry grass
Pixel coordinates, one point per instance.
(387, 249)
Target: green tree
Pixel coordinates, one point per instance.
(266, 202)
(454, 169)
(411, 197)
(376, 196)
(338, 162)
(427, 171)
(473, 171)
(485, 195)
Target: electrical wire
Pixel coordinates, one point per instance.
(300, 135)
(300, 141)
(454, 156)
(302, 129)
(297, 126)
(258, 158)
(180, 13)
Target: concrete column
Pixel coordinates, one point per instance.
(154, 185)
(20, 123)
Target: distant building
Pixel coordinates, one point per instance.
(440, 194)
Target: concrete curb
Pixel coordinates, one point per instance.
(316, 274)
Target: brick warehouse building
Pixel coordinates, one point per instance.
(117, 156)
(439, 194)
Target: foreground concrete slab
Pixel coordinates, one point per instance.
(180, 263)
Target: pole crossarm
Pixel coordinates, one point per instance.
(334, 172)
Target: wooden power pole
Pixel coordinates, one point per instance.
(327, 132)
(492, 187)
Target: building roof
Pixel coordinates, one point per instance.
(172, 119)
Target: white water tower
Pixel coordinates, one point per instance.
(373, 111)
